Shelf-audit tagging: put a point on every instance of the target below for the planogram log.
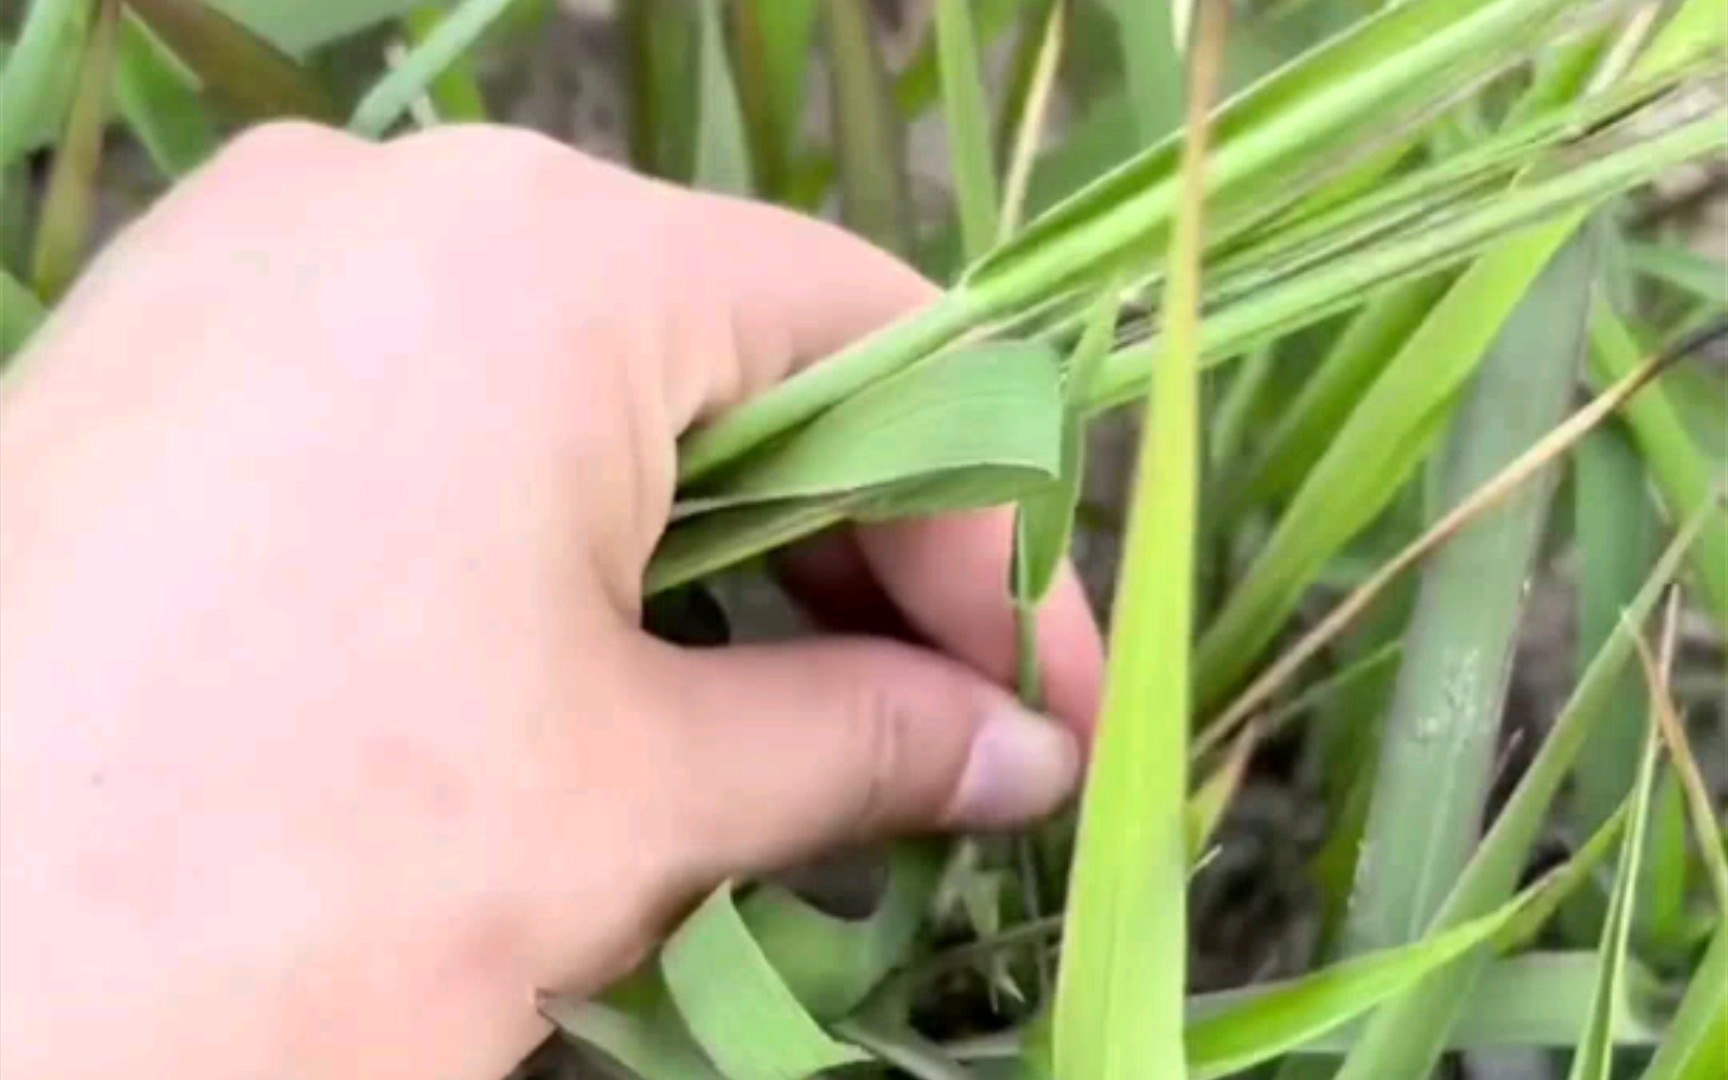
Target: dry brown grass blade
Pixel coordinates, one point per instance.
(1657, 672)
(1484, 498)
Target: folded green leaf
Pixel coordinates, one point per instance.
(994, 409)
(737, 1006)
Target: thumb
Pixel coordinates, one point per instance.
(806, 747)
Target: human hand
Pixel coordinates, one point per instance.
(327, 731)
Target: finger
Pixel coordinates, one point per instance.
(790, 290)
(796, 749)
(832, 583)
(949, 576)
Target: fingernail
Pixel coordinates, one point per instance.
(1021, 766)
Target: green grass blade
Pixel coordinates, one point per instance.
(237, 67)
(20, 314)
(1118, 1012)
(69, 207)
(1307, 424)
(32, 80)
(1684, 476)
(968, 118)
(1595, 1057)
(662, 38)
(722, 145)
(161, 106)
(870, 142)
(455, 91)
(1337, 284)
(1151, 63)
(1027, 108)
(771, 58)
(1700, 276)
(1617, 539)
(1697, 1039)
(1404, 1039)
(455, 34)
(1439, 743)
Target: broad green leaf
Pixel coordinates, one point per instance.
(968, 118)
(69, 207)
(1697, 1039)
(722, 146)
(454, 35)
(1595, 1057)
(994, 407)
(34, 82)
(455, 91)
(236, 66)
(1118, 1010)
(1440, 741)
(161, 103)
(737, 1006)
(1151, 63)
(771, 46)
(1404, 1039)
(869, 137)
(1684, 477)
(20, 314)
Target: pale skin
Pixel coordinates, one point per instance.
(327, 732)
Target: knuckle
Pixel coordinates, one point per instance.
(282, 142)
